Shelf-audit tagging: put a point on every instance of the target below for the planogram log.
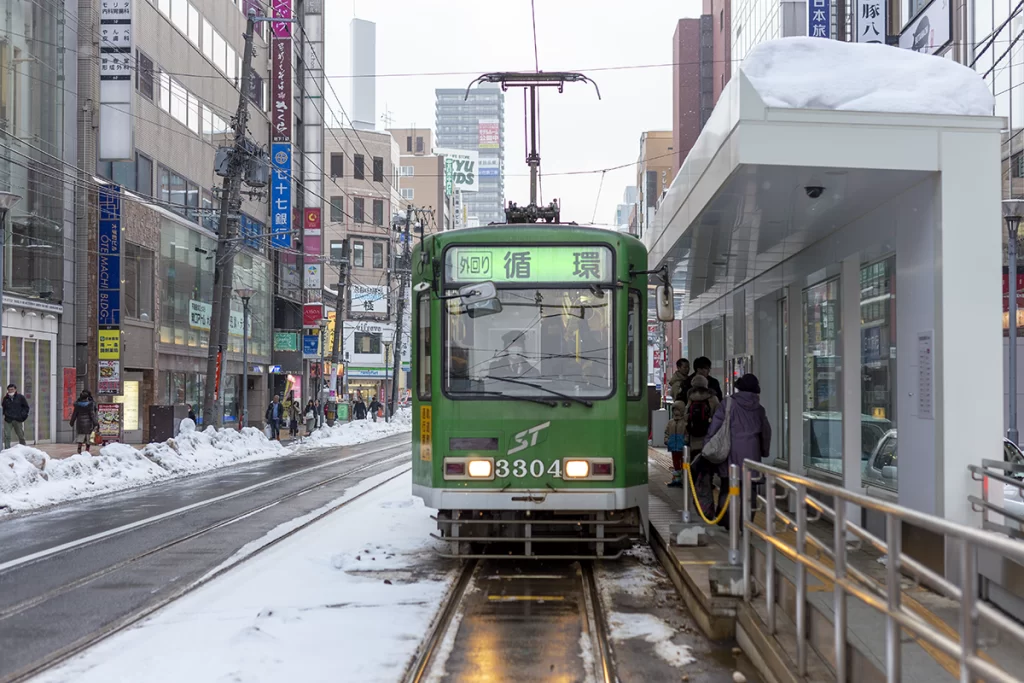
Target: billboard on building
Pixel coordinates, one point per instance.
(489, 133)
(117, 127)
(368, 299)
(931, 31)
(819, 22)
(460, 169)
(871, 16)
(489, 168)
(281, 195)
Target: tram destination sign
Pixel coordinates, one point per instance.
(529, 264)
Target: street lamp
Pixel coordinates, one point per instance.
(1013, 209)
(245, 293)
(7, 202)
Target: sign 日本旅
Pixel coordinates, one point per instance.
(529, 264)
(819, 22)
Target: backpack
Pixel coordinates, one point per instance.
(698, 418)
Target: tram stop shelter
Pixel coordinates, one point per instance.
(852, 260)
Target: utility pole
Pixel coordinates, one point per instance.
(339, 306)
(403, 268)
(224, 263)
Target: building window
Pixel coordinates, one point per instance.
(337, 251)
(378, 212)
(367, 342)
(357, 209)
(408, 143)
(337, 209)
(378, 255)
(823, 409)
(878, 366)
(378, 170)
(138, 282)
(143, 175)
(136, 176)
(357, 254)
(406, 171)
(144, 75)
(357, 167)
(419, 144)
(634, 380)
(423, 371)
(408, 193)
(1017, 165)
(337, 165)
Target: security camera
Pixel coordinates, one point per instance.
(814, 191)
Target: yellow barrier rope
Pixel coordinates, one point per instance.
(733, 492)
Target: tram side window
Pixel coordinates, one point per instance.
(423, 348)
(633, 349)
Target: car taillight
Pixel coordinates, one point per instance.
(602, 468)
(455, 468)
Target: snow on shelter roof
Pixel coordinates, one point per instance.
(817, 73)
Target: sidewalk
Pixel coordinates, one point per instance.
(60, 451)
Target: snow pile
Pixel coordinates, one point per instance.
(292, 613)
(29, 478)
(359, 431)
(814, 73)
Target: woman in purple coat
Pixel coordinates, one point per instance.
(750, 435)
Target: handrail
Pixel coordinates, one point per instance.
(849, 581)
(981, 473)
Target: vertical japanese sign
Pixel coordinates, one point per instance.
(819, 22)
(108, 295)
(871, 16)
(116, 75)
(282, 10)
(312, 248)
(489, 134)
(281, 90)
(281, 195)
(68, 384)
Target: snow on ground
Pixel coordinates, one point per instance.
(348, 599)
(639, 581)
(814, 73)
(29, 478)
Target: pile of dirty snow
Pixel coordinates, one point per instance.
(29, 478)
(813, 73)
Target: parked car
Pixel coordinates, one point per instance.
(823, 438)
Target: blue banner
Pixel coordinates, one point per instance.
(281, 194)
(310, 345)
(488, 171)
(109, 257)
(251, 230)
(819, 22)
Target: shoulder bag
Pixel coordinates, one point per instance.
(716, 450)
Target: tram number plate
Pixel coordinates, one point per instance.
(521, 469)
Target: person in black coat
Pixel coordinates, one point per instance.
(359, 407)
(16, 410)
(85, 419)
(702, 366)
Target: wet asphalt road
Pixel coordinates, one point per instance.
(52, 604)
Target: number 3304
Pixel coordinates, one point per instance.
(521, 468)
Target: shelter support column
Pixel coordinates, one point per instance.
(850, 351)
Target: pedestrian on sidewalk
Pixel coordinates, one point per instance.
(701, 406)
(679, 384)
(310, 417)
(375, 407)
(15, 409)
(702, 366)
(85, 419)
(273, 416)
(675, 441)
(359, 407)
(750, 435)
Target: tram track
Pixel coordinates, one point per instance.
(179, 545)
(519, 607)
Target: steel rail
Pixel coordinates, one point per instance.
(120, 624)
(605, 663)
(420, 665)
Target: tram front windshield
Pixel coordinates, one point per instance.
(542, 341)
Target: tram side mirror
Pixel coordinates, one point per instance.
(665, 303)
(480, 299)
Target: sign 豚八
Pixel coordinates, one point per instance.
(311, 346)
(584, 263)
(286, 341)
(819, 22)
(281, 195)
(109, 343)
(460, 169)
(871, 16)
(368, 299)
(489, 134)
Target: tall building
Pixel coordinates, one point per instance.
(160, 129)
(364, 67)
(361, 184)
(655, 170)
(38, 138)
(623, 210)
(421, 177)
(477, 124)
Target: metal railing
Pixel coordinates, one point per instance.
(984, 473)
(847, 580)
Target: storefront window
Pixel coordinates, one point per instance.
(878, 370)
(31, 118)
(252, 272)
(138, 282)
(823, 416)
(186, 265)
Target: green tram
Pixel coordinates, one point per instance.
(529, 362)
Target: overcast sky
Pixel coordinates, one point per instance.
(465, 38)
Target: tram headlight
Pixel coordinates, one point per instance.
(480, 469)
(577, 469)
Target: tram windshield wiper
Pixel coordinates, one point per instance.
(582, 401)
(512, 397)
